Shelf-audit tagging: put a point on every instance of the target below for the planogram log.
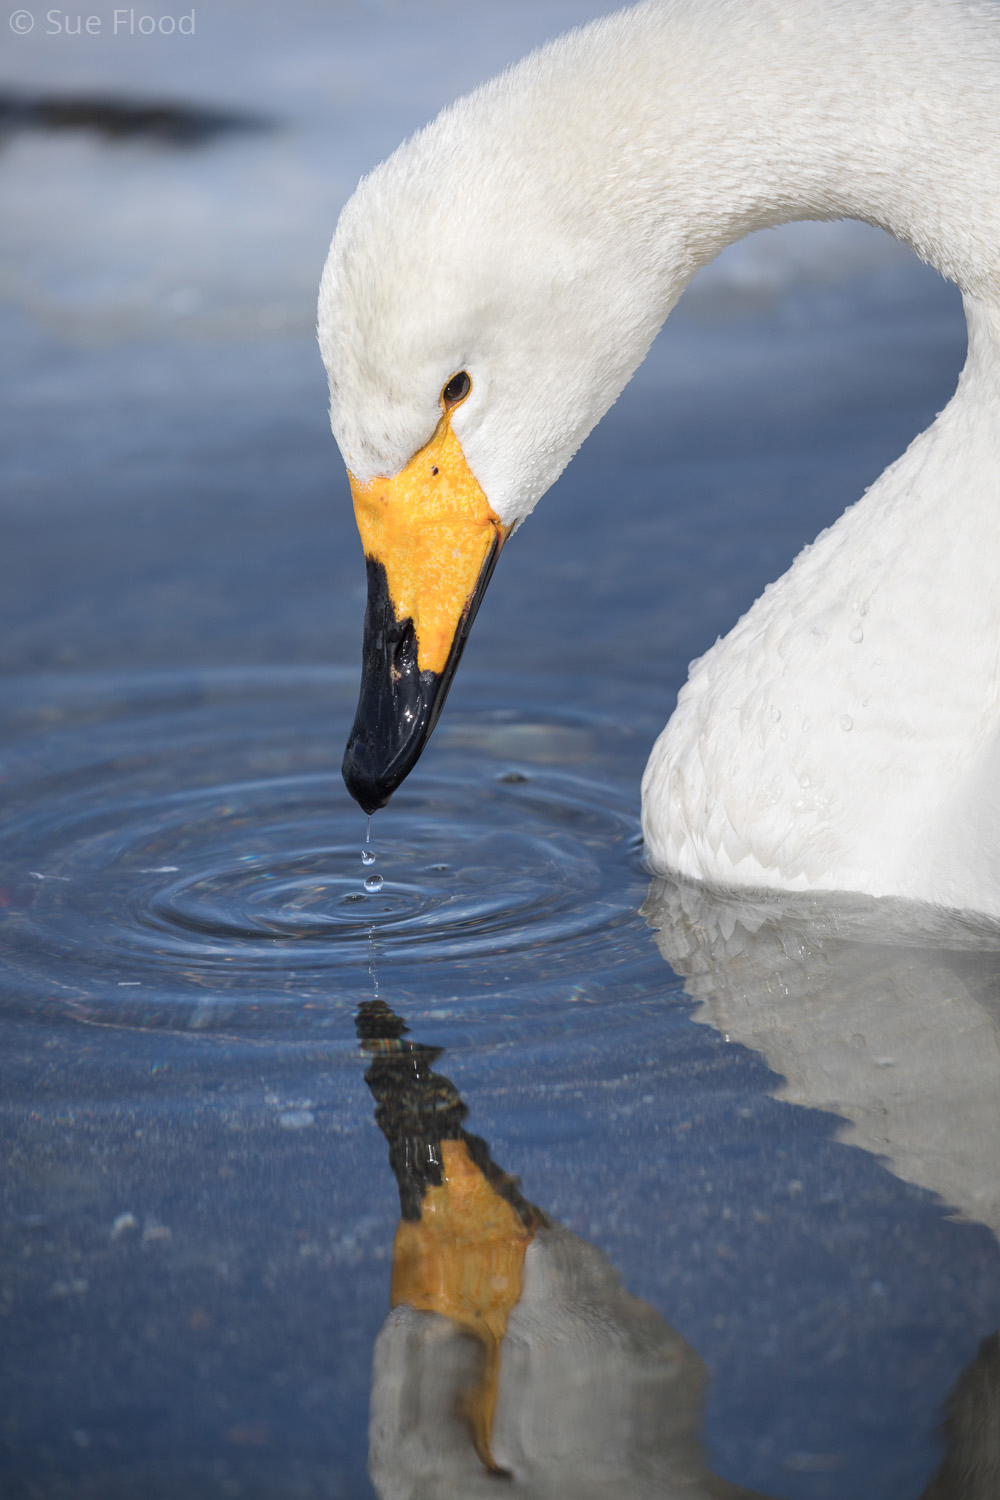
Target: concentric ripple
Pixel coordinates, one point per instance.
(186, 846)
(267, 872)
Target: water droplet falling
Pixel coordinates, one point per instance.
(373, 883)
(367, 856)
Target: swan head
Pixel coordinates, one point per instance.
(476, 319)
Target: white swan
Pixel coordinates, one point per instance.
(492, 287)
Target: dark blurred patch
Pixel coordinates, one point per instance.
(123, 119)
(971, 1430)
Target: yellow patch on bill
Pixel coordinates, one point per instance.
(431, 528)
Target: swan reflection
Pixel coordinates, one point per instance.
(512, 1350)
(883, 1012)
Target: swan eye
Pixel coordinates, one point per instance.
(456, 390)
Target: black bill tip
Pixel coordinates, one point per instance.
(399, 705)
(396, 705)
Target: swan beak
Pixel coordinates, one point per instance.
(431, 542)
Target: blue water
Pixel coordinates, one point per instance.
(198, 1208)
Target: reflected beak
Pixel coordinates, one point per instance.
(464, 1260)
(431, 542)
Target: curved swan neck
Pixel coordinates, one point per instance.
(748, 113)
(613, 164)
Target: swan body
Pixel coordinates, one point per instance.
(846, 733)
